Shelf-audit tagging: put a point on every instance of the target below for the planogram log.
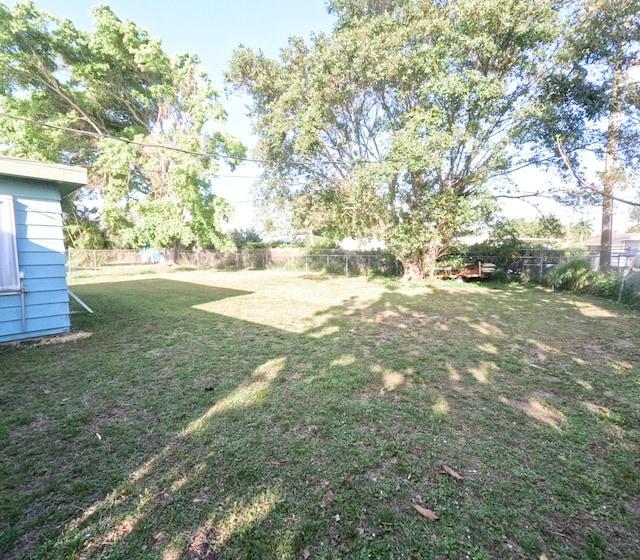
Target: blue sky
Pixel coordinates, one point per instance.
(213, 29)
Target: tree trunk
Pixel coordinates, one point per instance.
(606, 230)
(432, 253)
(413, 266)
(175, 251)
(421, 264)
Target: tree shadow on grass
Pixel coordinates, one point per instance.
(221, 438)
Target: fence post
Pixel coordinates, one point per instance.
(69, 262)
(346, 265)
(95, 262)
(625, 272)
(541, 264)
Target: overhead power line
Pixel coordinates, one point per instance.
(233, 158)
(168, 147)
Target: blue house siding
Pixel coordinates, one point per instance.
(40, 245)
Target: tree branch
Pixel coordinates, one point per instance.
(583, 183)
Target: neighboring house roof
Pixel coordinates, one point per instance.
(67, 178)
(618, 239)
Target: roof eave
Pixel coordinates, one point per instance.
(67, 178)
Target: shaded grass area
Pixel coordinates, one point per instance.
(267, 414)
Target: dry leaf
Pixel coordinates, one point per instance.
(327, 498)
(306, 554)
(426, 513)
(446, 470)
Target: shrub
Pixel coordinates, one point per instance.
(574, 275)
(501, 276)
(631, 291)
(605, 284)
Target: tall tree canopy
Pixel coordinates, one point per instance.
(592, 101)
(113, 84)
(397, 122)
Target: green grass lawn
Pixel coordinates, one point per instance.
(226, 415)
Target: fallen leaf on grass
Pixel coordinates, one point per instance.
(306, 554)
(327, 498)
(426, 513)
(446, 470)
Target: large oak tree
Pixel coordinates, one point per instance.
(397, 123)
(126, 97)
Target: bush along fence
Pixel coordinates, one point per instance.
(574, 271)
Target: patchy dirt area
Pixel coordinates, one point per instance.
(50, 339)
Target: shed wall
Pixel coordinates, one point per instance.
(41, 260)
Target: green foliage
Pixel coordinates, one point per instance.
(503, 242)
(547, 226)
(242, 238)
(592, 102)
(319, 242)
(581, 230)
(574, 275)
(599, 44)
(501, 277)
(634, 215)
(116, 81)
(631, 291)
(80, 226)
(394, 124)
(550, 227)
(605, 284)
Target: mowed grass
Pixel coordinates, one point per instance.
(226, 415)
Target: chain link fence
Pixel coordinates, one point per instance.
(530, 264)
(88, 263)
